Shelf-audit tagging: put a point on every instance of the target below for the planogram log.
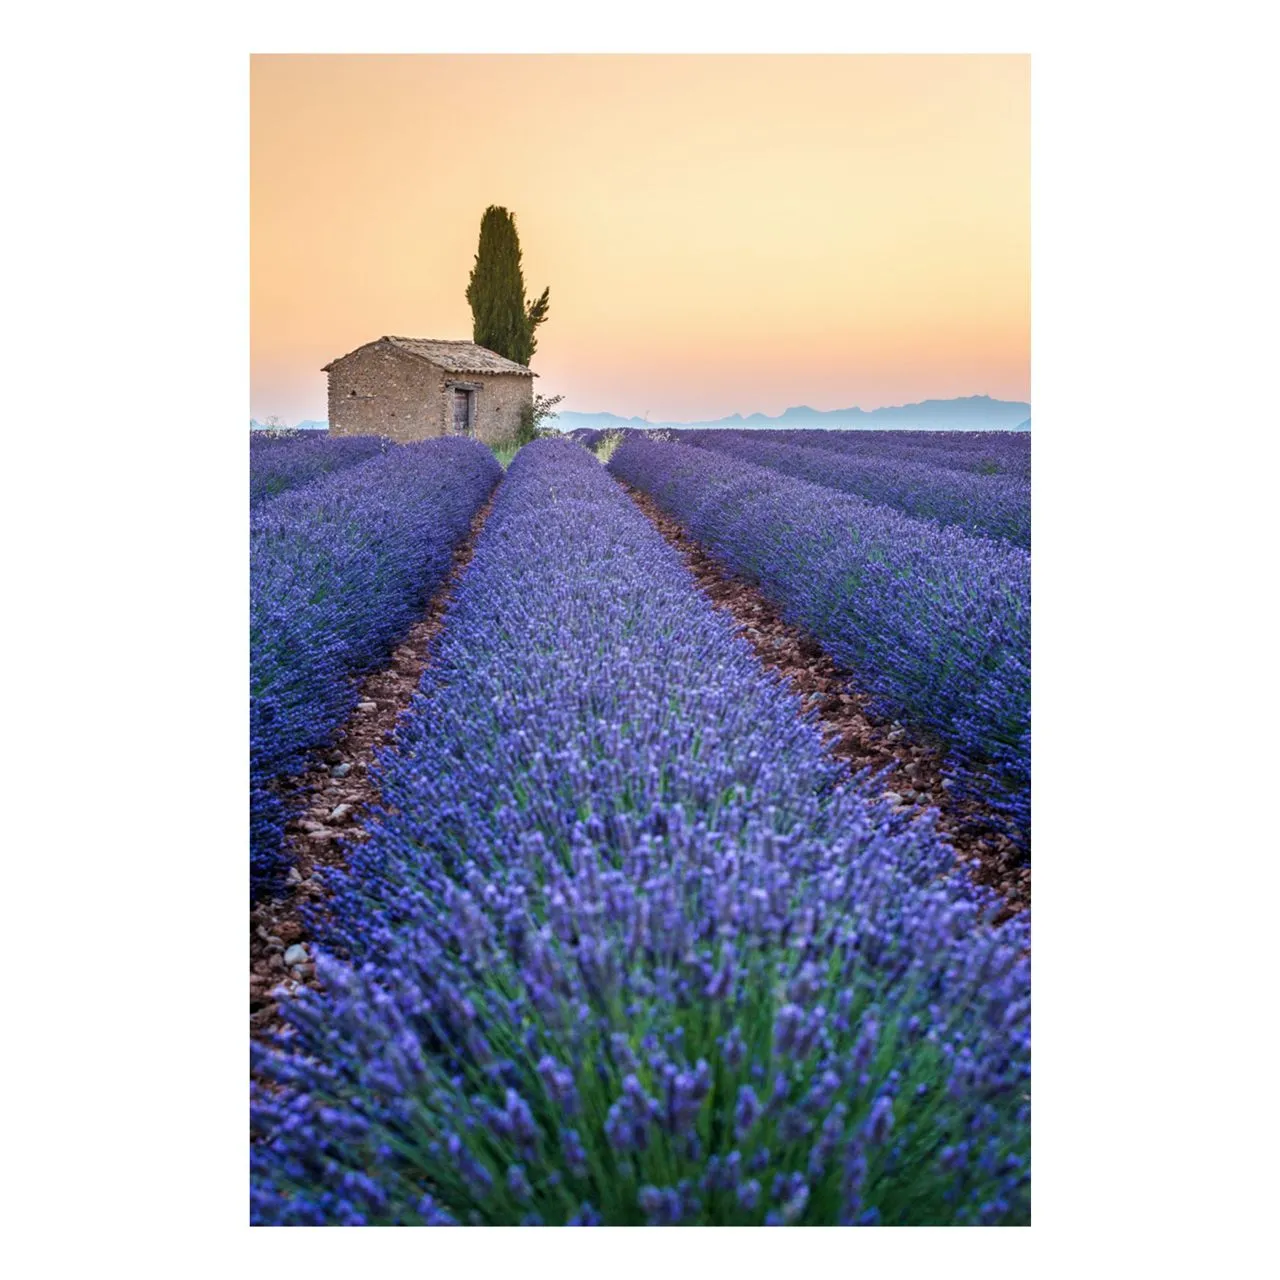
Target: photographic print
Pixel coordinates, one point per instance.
(640, 640)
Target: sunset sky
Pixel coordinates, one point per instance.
(721, 234)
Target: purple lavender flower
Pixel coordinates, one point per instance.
(629, 1118)
(880, 1121)
(685, 1093)
(868, 1039)
(622, 1053)
(793, 1126)
(586, 1216)
(746, 1112)
(822, 1092)
(518, 1183)
(520, 1120)
(560, 1084)
(733, 1048)
(721, 985)
(791, 1193)
(778, 1094)
(662, 1206)
(786, 1027)
(822, 1151)
(433, 1215)
(855, 1176)
(806, 985)
(575, 1155)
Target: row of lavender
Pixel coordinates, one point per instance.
(1006, 453)
(993, 453)
(339, 570)
(992, 506)
(624, 946)
(280, 463)
(937, 624)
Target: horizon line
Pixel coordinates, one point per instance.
(757, 413)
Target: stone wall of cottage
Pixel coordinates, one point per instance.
(379, 391)
(384, 392)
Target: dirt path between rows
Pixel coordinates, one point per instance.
(852, 734)
(329, 800)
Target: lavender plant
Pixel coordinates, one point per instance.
(994, 453)
(626, 946)
(933, 622)
(992, 506)
(339, 571)
(276, 466)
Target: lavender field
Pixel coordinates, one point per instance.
(340, 564)
(278, 463)
(978, 498)
(605, 930)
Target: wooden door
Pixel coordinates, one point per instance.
(462, 412)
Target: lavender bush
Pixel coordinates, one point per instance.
(276, 466)
(588, 437)
(935, 623)
(339, 571)
(993, 506)
(995, 453)
(625, 946)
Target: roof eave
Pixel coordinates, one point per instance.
(516, 370)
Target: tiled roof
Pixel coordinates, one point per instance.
(452, 356)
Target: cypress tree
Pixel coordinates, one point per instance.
(501, 319)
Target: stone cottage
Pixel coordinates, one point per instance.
(415, 388)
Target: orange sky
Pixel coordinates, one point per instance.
(720, 233)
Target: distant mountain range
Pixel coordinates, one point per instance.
(965, 413)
